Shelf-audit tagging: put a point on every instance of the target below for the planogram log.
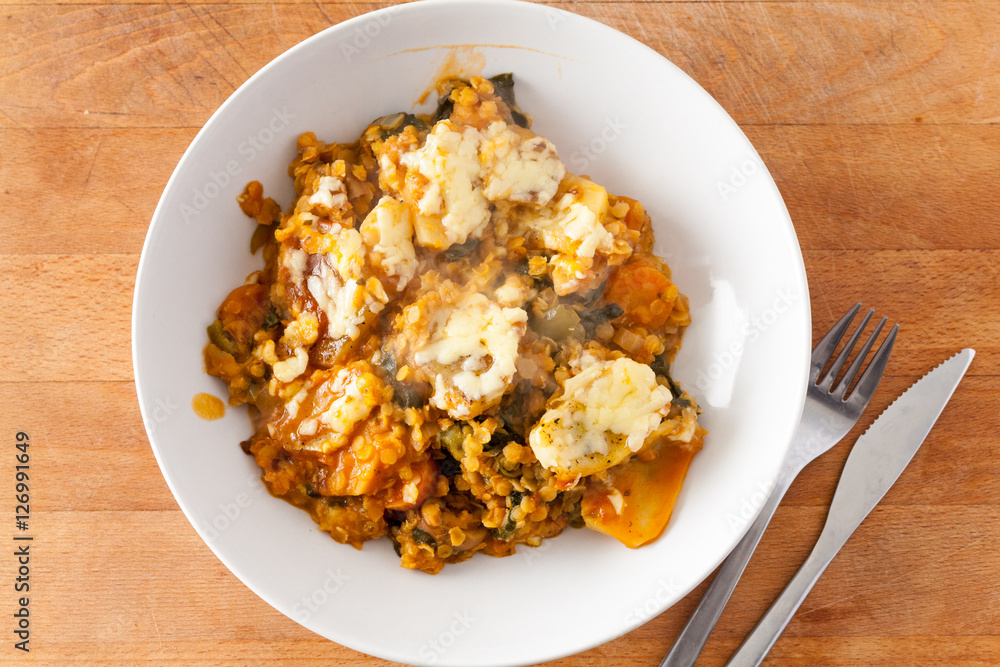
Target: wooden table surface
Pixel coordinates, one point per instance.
(880, 122)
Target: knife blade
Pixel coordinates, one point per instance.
(876, 461)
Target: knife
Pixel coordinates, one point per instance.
(876, 461)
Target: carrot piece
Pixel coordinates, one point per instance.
(643, 291)
(647, 491)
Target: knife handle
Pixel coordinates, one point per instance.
(693, 636)
(760, 640)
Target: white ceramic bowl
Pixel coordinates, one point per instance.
(617, 111)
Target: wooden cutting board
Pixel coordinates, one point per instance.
(880, 122)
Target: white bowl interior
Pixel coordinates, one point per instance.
(618, 112)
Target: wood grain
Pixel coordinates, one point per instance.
(866, 187)
(880, 122)
(102, 206)
(882, 63)
(91, 344)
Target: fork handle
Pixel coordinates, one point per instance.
(695, 633)
(755, 647)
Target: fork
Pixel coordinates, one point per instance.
(829, 413)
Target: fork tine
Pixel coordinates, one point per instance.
(838, 363)
(845, 381)
(863, 392)
(824, 349)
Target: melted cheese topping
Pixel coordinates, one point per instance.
(605, 413)
(449, 161)
(302, 331)
(515, 291)
(292, 367)
(337, 286)
(341, 301)
(350, 407)
(517, 169)
(388, 231)
(330, 193)
(348, 254)
(573, 227)
(479, 342)
(295, 262)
